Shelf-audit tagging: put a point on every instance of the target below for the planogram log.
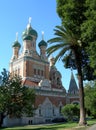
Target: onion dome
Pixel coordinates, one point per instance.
(42, 42)
(29, 32)
(16, 43)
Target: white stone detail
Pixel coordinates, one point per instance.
(45, 83)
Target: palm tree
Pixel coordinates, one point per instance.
(64, 43)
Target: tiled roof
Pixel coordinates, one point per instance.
(30, 83)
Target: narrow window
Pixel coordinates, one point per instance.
(60, 109)
(35, 71)
(18, 71)
(38, 72)
(42, 73)
(40, 111)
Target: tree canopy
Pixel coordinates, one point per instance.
(71, 111)
(88, 31)
(15, 99)
(76, 15)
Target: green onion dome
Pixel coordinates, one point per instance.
(16, 44)
(28, 33)
(42, 43)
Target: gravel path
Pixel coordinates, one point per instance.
(92, 127)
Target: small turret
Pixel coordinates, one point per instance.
(52, 61)
(42, 45)
(16, 47)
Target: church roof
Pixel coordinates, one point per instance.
(72, 85)
(30, 83)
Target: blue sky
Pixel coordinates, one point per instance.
(14, 15)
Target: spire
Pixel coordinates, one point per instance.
(73, 89)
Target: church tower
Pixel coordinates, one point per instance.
(29, 37)
(29, 64)
(43, 45)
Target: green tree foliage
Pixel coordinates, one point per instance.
(71, 111)
(88, 31)
(15, 99)
(90, 98)
(71, 13)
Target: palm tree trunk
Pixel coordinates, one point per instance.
(82, 120)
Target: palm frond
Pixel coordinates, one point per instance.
(64, 35)
(62, 53)
(56, 47)
(65, 40)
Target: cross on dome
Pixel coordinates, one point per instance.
(16, 36)
(42, 35)
(29, 22)
(30, 19)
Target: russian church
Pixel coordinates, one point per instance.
(42, 75)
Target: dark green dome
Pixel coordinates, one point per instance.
(27, 34)
(42, 43)
(27, 37)
(16, 44)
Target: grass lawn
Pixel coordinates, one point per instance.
(61, 126)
